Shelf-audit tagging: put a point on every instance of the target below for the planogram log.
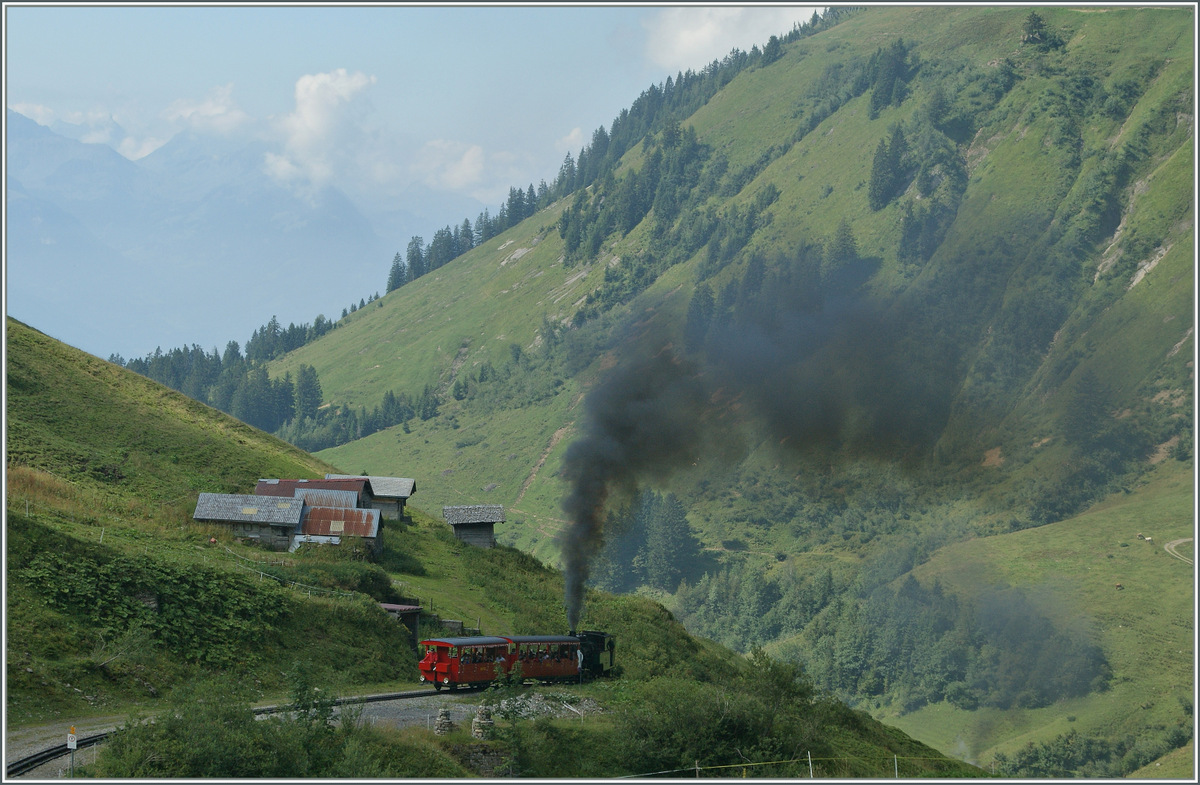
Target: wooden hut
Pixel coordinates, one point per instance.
(408, 615)
(270, 522)
(475, 524)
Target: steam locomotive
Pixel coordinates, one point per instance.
(476, 661)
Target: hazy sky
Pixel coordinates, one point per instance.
(469, 100)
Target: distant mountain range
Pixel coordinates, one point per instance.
(194, 243)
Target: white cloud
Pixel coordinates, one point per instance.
(42, 115)
(133, 149)
(465, 168)
(281, 168)
(217, 112)
(450, 165)
(324, 134)
(572, 142)
(680, 38)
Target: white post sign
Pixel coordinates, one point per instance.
(72, 742)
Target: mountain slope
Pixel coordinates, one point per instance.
(987, 326)
(1013, 337)
(114, 596)
(102, 423)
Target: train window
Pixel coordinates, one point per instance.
(453, 652)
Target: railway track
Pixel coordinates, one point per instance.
(31, 762)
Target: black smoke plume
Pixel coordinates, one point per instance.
(644, 419)
(837, 374)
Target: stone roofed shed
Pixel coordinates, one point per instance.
(475, 524)
(389, 494)
(271, 522)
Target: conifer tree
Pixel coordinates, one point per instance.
(308, 392)
(398, 275)
(416, 258)
(842, 247)
(879, 187)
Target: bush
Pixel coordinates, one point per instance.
(209, 730)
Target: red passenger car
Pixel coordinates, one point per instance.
(547, 657)
(449, 662)
(478, 660)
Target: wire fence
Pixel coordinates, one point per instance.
(293, 584)
(892, 770)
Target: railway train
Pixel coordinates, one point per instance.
(478, 660)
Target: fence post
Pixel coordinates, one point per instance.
(810, 771)
(896, 763)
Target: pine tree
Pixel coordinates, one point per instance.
(879, 187)
(670, 549)
(416, 258)
(308, 392)
(427, 404)
(1034, 29)
(398, 275)
(841, 249)
(466, 240)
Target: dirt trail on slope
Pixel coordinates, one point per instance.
(1170, 548)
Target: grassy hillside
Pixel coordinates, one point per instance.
(117, 604)
(1093, 572)
(91, 423)
(1027, 290)
(113, 594)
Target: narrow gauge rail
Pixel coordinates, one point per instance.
(31, 762)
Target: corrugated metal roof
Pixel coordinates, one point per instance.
(320, 497)
(243, 508)
(289, 487)
(474, 513)
(383, 487)
(340, 521)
